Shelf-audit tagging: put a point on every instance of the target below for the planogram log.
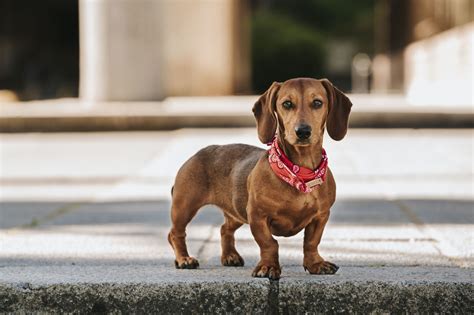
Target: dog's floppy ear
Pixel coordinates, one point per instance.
(339, 110)
(263, 111)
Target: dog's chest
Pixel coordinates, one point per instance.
(292, 218)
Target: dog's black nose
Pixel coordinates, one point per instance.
(303, 131)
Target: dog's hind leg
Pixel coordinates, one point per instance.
(230, 256)
(189, 193)
(183, 209)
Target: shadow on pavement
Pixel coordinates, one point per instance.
(157, 213)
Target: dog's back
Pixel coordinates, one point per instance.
(217, 175)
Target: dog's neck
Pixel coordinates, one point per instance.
(308, 156)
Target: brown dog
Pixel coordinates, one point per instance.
(238, 178)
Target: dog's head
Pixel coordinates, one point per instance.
(301, 108)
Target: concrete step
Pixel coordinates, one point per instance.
(369, 111)
(152, 288)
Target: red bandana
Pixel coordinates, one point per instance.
(302, 178)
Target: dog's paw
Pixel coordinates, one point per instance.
(232, 260)
(321, 268)
(267, 271)
(186, 263)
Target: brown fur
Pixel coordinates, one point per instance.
(238, 179)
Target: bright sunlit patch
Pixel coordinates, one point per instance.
(438, 70)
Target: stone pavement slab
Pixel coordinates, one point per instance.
(83, 228)
(380, 163)
(137, 231)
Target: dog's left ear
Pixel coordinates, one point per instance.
(263, 110)
(339, 110)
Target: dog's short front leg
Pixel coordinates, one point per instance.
(313, 262)
(268, 266)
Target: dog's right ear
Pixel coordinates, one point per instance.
(339, 110)
(263, 111)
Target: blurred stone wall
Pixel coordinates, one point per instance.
(401, 23)
(439, 69)
(144, 50)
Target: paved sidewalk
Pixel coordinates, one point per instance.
(84, 218)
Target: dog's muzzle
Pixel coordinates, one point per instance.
(303, 131)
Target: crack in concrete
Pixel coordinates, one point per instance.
(51, 215)
(409, 213)
(274, 297)
(207, 241)
(421, 226)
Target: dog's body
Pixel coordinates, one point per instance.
(238, 179)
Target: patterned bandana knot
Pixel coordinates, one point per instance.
(302, 178)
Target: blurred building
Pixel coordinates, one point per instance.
(148, 49)
(121, 50)
(425, 48)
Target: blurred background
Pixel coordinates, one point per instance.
(147, 50)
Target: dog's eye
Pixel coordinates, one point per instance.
(317, 104)
(288, 104)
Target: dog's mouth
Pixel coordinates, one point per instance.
(302, 143)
